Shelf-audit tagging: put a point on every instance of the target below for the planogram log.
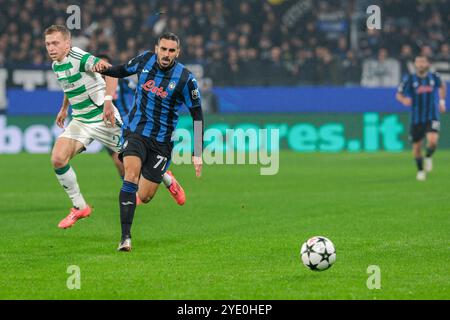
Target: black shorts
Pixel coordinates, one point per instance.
(155, 156)
(417, 132)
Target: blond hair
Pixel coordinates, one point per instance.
(58, 28)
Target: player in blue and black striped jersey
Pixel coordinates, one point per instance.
(425, 93)
(164, 85)
(123, 101)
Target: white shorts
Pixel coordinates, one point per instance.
(88, 132)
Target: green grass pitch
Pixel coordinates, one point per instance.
(238, 235)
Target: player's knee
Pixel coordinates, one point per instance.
(59, 161)
(132, 176)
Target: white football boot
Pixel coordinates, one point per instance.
(125, 245)
(421, 176)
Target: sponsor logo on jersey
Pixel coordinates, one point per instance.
(424, 89)
(66, 85)
(149, 86)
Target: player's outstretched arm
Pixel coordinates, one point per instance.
(128, 69)
(62, 114)
(120, 71)
(442, 97)
(100, 65)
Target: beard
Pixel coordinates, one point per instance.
(166, 62)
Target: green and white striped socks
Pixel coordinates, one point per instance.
(68, 180)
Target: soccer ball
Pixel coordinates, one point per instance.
(318, 253)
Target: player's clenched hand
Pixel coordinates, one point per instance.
(101, 66)
(108, 114)
(198, 162)
(407, 102)
(61, 117)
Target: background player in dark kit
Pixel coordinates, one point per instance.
(425, 93)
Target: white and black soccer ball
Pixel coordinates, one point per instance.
(318, 253)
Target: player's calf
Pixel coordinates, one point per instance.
(144, 198)
(118, 164)
(147, 189)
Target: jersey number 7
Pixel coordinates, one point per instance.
(161, 159)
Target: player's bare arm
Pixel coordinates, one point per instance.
(442, 97)
(108, 110)
(62, 114)
(197, 116)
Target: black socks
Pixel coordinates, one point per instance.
(127, 203)
(430, 152)
(419, 162)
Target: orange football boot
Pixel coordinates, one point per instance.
(176, 190)
(74, 216)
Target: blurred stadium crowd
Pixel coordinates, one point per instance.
(259, 42)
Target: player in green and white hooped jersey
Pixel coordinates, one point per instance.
(85, 91)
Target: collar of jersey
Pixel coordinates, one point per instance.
(425, 77)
